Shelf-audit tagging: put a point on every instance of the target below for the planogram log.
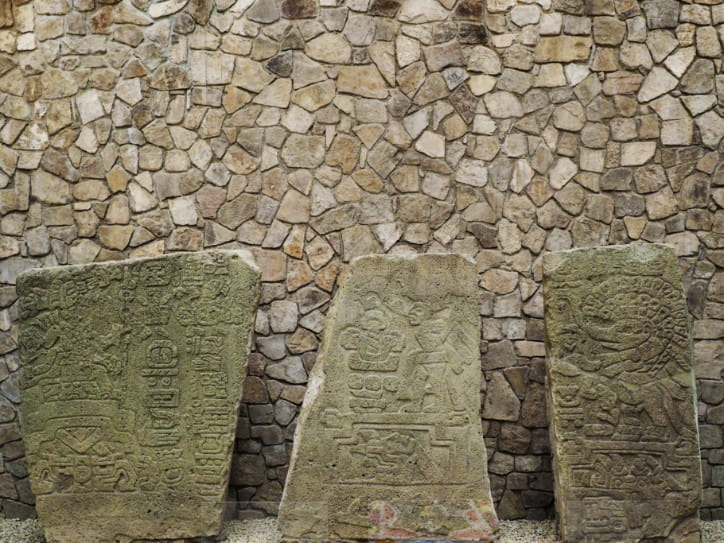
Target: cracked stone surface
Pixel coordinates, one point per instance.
(389, 442)
(622, 398)
(312, 131)
(132, 381)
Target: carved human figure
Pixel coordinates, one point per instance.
(128, 409)
(388, 443)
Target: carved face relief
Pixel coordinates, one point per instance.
(125, 401)
(619, 368)
(395, 420)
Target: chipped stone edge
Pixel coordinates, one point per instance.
(553, 260)
(315, 382)
(243, 254)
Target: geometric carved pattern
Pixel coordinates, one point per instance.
(132, 375)
(625, 447)
(389, 442)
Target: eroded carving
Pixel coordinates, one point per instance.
(389, 437)
(626, 454)
(132, 376)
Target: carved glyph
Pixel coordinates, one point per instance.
(131, 376)
(389, 443)
(625, 444)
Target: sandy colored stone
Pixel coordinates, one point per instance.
(485, 60)
(389, 443)
(637, 153)
(608, 30)
(407, 50)
(440, 56)
(562, 172)
(364, 80)
(472, 172)
(431, 144)
(89, 106)
(711, 126)
(569, 116)
(8, 246)
(58, 84)
(550, 75)
(344, 153)
(167, 7)
(250, 75)
(315, 96)
(49, 189)
(503, 104)
(294, 208)
(658, 82)
(306, 71)
(433, 88)
(563, 49)
(239, 161)
(525, 15)
(115, 236)
(422, 11)
(262, 11)
(357, 241)
(330, 48)
(622, 400)
(140, 199)
(211, 68)
(501, 403)
(297, 119)
(276, 94)
(303, 151)
(130, 397)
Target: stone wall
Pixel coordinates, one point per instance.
(313, 131)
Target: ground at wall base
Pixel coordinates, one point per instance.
(265, 531)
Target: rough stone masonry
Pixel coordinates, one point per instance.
(622, 399)
(313, 131)
(389, 443)
(132, 377)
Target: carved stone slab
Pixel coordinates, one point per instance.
(389, 442)
(621, 395)
(132, 375)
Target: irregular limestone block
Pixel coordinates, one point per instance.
(389, 442)
(131, 376)
(621, 395)
(6, 13)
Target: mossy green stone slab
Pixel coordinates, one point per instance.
(389, 442)
(621, 396)
(132, 374)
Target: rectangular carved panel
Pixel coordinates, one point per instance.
(621, 395)
(132, 374)
(389, 442)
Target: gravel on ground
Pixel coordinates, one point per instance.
(20, 531)
(265, 531)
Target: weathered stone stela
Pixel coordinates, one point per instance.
(389, 443)
(132, 375)
(621, 391)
